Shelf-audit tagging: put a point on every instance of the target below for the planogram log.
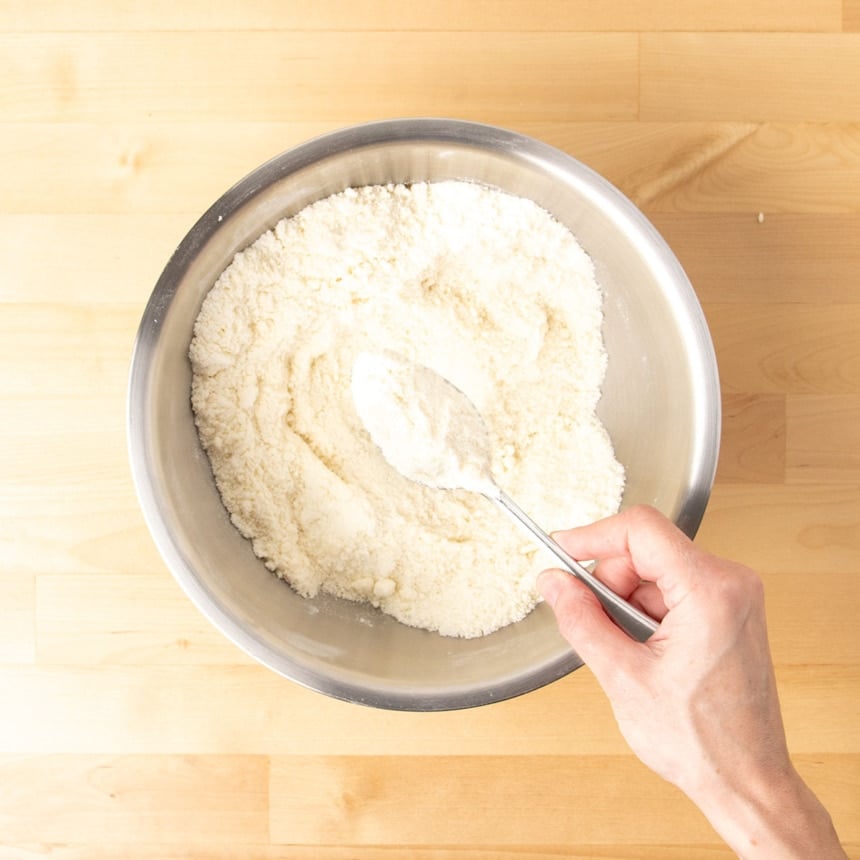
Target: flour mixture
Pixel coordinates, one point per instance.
(486, 289)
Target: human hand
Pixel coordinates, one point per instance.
(697, 702)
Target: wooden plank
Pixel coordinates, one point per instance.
(66, 484)
(438, 15)
(158, 709)
(111, 851)
(67, 487)
(750, 77)
(752, 447)
(81, 522)
(341, 76)
(782, 258)
(806, 698)
(87, 532)
(99, 422)
(187, 710)
(811, 528)
(17, 626)
(97, 529)
(823, 438)
(851, 15)
(477, 800)
(774, 168)
(66, 351)
(94, 258)
(738, 168)
(130, 798)
(117, 140)
(720, 167)
(822, 605)
(128, 619)
(133, 167)
(503, 800)
(786, 348)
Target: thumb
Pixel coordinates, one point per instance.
(582, 621)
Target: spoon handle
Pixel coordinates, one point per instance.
(636, 624)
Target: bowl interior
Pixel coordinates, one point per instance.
(660, 405)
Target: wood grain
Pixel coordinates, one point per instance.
(823, 439)
(462, 801)
(128, 619)
(711, 76)
(175, 709)
(146, 798)
(752, 447)
(737, 168)
(813, 528)
(787, 348)
(342, 77)
(357, 800)
(772, 168)
(432, 15)
(829, 633)
(66, 482)
(783, 258)
(96, 258)
(160, 851)
(137, 167)
(129, 727)
(17, 628)
(67, 488)
(183, 710)
(851, 15)
(65, 350)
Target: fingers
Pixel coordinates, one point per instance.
(605, 648)
(639, 543)
(648, 598)
(619, 574)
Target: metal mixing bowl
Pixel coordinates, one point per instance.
(660, 404)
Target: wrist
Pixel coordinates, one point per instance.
(773, 815)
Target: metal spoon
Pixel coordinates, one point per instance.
(631, 620)
(449, 448)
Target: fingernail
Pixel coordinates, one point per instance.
(548, 585)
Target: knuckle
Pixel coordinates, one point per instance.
(643, 515)
(741, 589)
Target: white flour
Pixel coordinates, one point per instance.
(425, 427)
(482, 287)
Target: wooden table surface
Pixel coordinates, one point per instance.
(128, 727)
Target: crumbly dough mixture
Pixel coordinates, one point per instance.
(484, 288)
(425, 427)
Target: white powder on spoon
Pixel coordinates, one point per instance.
(484, 288)
(425, 427)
